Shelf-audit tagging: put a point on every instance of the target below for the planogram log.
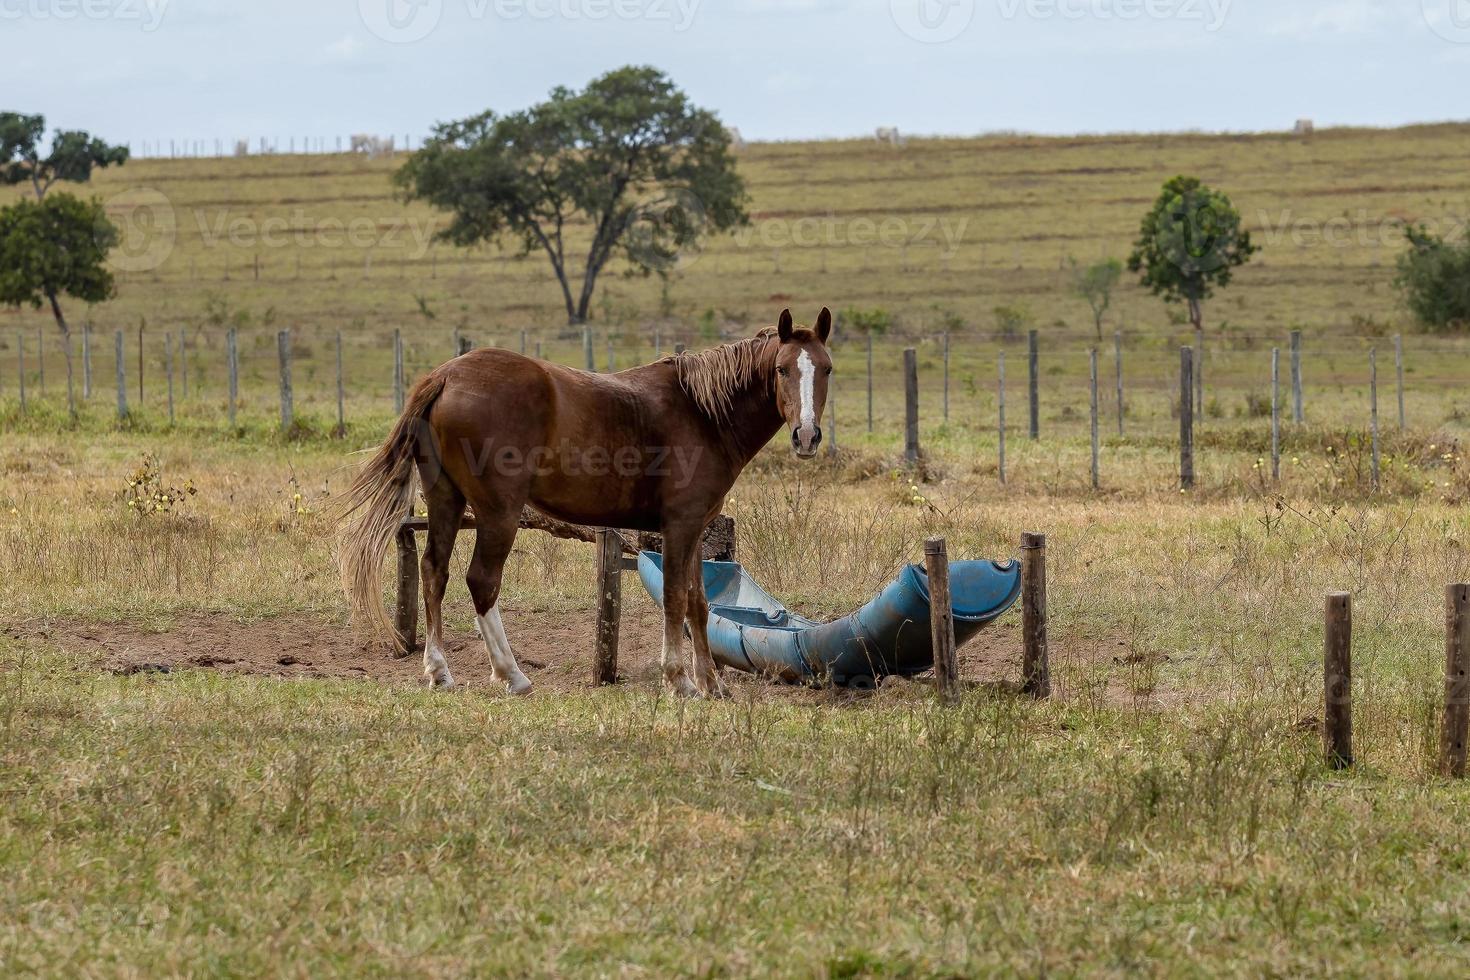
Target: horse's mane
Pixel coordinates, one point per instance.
(713, 377)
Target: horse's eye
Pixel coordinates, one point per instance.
(781, 372)
(829, 370)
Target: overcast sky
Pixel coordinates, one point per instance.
(137, 70)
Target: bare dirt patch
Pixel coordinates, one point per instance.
(554, 649)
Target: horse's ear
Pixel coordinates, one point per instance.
(783, 326)
(824, 325)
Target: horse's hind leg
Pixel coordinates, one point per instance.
(706, 671)
(493, 540)
(446, 508)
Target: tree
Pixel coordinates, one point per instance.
(876, 321)
(73, 155)
(1189, 244)
(629, 155)
(1095, 285)
(1433, 279)
(52, 248)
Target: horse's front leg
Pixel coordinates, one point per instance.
(677, 571)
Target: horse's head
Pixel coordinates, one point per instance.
(802, 367)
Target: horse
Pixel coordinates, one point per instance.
(652, 448)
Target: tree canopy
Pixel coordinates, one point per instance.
(626, 167)
(73, 154)
(1433, 278)
(53, 248)
(1094, 284)
(1189, 243)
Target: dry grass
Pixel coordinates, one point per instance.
(1166, 813)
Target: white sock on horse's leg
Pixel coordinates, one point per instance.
(676, 670)
(436, 667)
(502, 660)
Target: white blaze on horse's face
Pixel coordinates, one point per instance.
(802, 369)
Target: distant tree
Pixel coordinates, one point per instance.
(73, 154)
(1188, 245)
(876, 321)
(53, 248)
(1433, 280)
(1011, 320)
(1094, 283)
(628, 155)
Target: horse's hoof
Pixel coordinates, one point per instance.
(441, 682)
(520, 687)
(683, 687)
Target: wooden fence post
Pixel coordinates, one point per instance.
(232, 359)
(398, 371)
(1033, 363)
(1297, 413)
(538, 350)
(679, 347)
(910, 406)
(465, 346)
(609, 605)
(870, 382)
(523, 342)
(1199, 372)
(1453, 729)
(41, 358)
(71, 395)
(341, 393)
(946, 375)
(1118, 364)
(587, 349)
(86, 361)
(1092, 364)
(1186, 418)
(1035, 657)
(406, 606)
(941, 618)
(184, 360)
(1001, 411)
(283, 351)
(658, 344)
(168, 370)
(1373, 409)
(612, 357)
(1275, 414)
(122, 376)
(1398, 364)
(832, 410)
(20, 353)
(1337, 678)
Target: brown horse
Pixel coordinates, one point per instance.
(653, 448)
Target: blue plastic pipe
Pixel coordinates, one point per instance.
(750, 631)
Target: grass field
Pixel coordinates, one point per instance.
(1166, 813)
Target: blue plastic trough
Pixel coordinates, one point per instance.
(750, 631)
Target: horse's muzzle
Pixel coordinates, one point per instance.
(804, 441)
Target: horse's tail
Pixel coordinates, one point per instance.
(378, 500)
